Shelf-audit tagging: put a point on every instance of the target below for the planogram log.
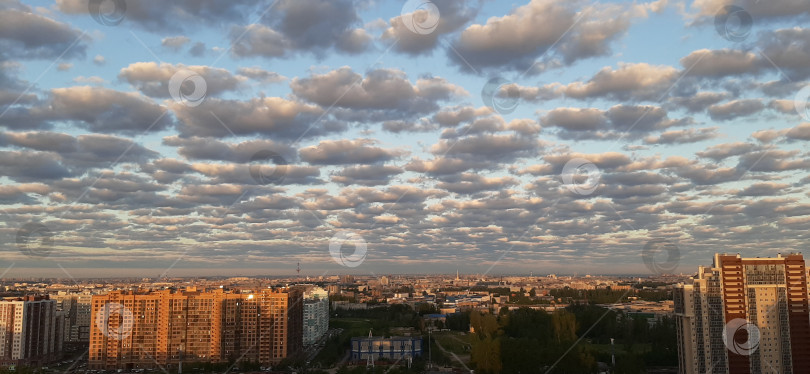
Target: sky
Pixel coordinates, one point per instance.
(240, 137)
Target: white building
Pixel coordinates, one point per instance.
(29, 331)
(76, 310)
(316, 314)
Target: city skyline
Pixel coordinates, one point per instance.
(144, 139)
(737, 315)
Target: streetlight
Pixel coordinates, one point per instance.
(612, 353)
(430, 355)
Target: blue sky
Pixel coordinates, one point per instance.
(685, 114)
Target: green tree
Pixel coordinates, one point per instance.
(486, 355)
(565, 326)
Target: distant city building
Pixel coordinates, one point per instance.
(766, 297)
(347, 279)
(393, 348)
(76, 311)
(30, 331)
(134, 330)
(316, 314)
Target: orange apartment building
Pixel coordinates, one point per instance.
(162, 328)
(767, 293)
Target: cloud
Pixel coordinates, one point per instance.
(772, 160)
(261, 75)
(468, 183)
(488, 147)
(274, 116)
(720, 152)
(313, 26)
(197, 50)
(684, 136)
(196, 148)
(764, 189)
(27, 35)
(787, 50)
(385, 90)
(159, 16)
(698, 102)
(453, 116)
(639, 81)
(338, 152)
(735, 108)
(706, 149)
(525, 36)
(12, 89)
(153, 79)
(719, 63)
(783, 9)
(19, 193)
(95, 80)
(632, 121)
(366, 175)
(784, 51)
(175, 42)
(575, 119)
(443, 165)
(103, 110)
(453, 14)
(51, 155)
(799, 132)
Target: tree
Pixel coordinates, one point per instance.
(485, 325)
(565, 326)
(486, 355)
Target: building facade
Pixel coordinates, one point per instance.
(316, 314)
(393, 348)
(146, 330)
(76, 313)
(30, 331)
(744, 315)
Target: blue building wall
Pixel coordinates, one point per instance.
(392, 348)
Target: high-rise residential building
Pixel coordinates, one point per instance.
(30, 331)
(745, 315)
(133, 330)
(76, 312)
(316, 313)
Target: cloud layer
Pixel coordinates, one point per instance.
(238, 135)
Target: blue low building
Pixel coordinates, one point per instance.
(393, 348)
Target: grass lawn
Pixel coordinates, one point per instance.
(453, 341)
